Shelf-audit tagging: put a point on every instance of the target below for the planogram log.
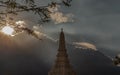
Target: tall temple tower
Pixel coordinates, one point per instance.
(62, 65)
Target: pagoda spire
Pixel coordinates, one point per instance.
(62, 65)
(62, 40)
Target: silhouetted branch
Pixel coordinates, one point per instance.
(13, 7)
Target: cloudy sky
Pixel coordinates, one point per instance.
(95, 21)
(88, 21)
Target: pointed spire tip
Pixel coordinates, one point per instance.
(61, 29)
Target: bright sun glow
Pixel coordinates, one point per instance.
(8, 30)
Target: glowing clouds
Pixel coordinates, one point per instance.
(8, 30)
(20, 22)
(20, 27)
(59, 17)
(85, 45)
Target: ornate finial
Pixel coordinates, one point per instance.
(61, 29)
